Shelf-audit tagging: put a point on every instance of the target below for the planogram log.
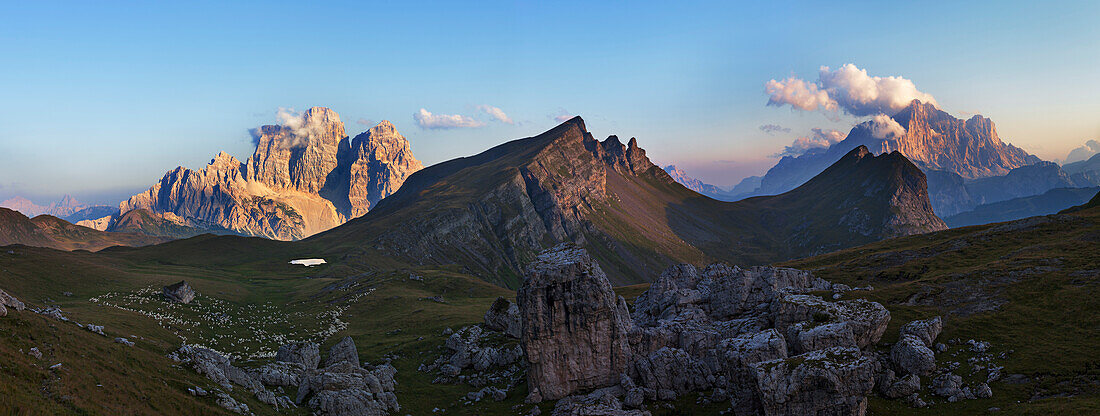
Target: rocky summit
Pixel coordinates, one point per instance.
(305, 176)
(492, 212)
(929, 137)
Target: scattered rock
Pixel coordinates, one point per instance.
(197, 391)
(436, 299)
(925, 330)
(603, 401)
(96, 329)
(34, 352)
(347, 388)
(124, 341)
(8, 301)
(218, 368)
(181, 292)
(503, 316)
(229, 403)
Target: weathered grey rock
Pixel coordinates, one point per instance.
(575, 327)
(8, 301)
(835, 381)
(672, 371)
(601, 402)
(181, 292)
(740, 355)
(34, 352)
(218, 368)
(491, 392)
(280, 373)
(124, 341)
(892, 388)
(98, 329)
(809, 336)
(229, 403)
(503, 316)
(926, 330)
(867, 320)
(983, 391)
(343, 351)
(947, 385)
(346, 388)
(911, 356)
(54, 312)
(307, 354)
(719, 291)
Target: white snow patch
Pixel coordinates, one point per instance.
(308, 262)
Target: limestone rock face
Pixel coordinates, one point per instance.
(575, 327)
(382, 161)
(305, 353)
(303, 178)
(180, 292)
(343, 351)
(346, 387)
(730, 330)
(834, 381)
(503, 316)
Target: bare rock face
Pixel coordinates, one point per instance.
(180, 292)
(834, 381)
(575, 327)
(218, 368)
(305, 353)
(304, 177)
(726, 329)
(503, 316)
(382, 161)
(913, 354)
(343, 351)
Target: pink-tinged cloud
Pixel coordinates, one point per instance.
(426, 120)
(818, 138)
(496, 114)
(848, 89)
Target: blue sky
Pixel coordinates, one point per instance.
(100, 99)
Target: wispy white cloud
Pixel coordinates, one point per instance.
(425, 119)
(303, 128)
(774, 128)
(562, 115)
(1084, 152)
(818, 138)
(365, 122)
(882, 127)
(848, 89)
(496, 113)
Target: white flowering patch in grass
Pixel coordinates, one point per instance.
(243, 331)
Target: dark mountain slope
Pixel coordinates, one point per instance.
(146, 222)
(53, 232)
(1049, 202)
(493, 211)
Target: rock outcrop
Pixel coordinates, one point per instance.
(503, 316)
(304, 177)
(8, 301)
(181, 292)
(753, 336)
(575, 327)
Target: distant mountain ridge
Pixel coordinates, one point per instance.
(63, 208)
(1049, 202)
(491, 212)
(932, 140)
(52, 232)
(303, 178)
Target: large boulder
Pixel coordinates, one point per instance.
(343, 351)
(346, 388)
(834, 381)
(575, 327)
(867, 320)
(926, 330)
(218, 368)
(503, 316)
(911, 356)
(181, 292)
(740, 354)
(307, 354)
